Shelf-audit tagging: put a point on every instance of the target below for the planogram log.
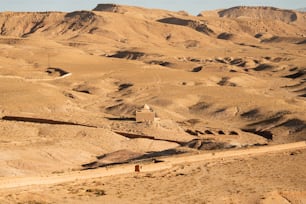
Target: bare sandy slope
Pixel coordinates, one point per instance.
(227, 177)
(70, 84)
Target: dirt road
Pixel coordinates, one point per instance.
(168, 162)
(33, 80)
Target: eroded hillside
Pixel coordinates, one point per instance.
(224, 79)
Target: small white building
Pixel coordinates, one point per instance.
(146, 114)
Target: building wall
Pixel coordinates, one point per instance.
(145, 116)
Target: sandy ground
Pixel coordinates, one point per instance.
(226, 79)
(227, 177)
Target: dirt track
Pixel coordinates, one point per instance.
(33, 80)
(168, 162)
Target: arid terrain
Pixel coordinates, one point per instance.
(228, 88)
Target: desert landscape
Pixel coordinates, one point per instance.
(226, 90)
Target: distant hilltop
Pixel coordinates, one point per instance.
(124, 24)
(108, 7)
(116, 8)
(301, 9)
(259, 12)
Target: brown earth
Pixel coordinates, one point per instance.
(225, 79)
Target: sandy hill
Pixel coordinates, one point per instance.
(154, 23)
(71, 83)
(272, 22)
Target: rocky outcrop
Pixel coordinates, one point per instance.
(264, 13)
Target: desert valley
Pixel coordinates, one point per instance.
(227, 89)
